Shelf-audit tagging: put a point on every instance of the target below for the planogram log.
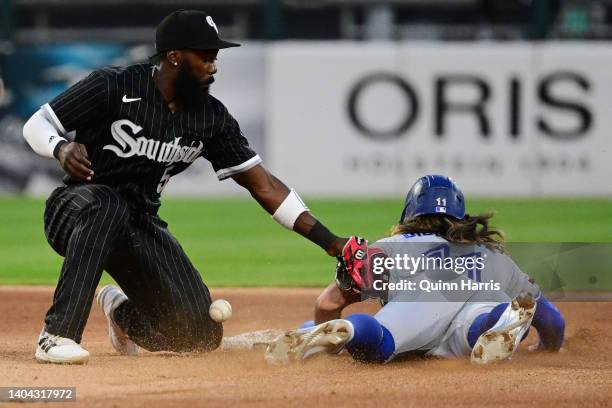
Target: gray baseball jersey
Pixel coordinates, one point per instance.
(434, 293)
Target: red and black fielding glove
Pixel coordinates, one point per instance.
(351, 270)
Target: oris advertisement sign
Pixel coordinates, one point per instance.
(502, 119)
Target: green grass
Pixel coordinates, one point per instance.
(234, 242)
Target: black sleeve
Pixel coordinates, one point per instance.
(82, 103)
(229, 151)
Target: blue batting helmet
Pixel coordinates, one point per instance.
(434, 194)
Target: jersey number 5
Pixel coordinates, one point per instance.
(165, 178)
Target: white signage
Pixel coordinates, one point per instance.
(369, 119)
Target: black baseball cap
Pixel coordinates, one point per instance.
(192, 29)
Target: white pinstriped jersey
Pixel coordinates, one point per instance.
(134, 141)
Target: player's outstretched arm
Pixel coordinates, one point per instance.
(287, 208)
(332, 301)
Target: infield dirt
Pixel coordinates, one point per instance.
(581, 375)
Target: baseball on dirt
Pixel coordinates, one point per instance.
(220, 310)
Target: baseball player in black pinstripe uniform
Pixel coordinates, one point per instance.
(136, 127)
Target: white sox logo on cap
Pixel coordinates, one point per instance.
(212, 23)
(189, 29)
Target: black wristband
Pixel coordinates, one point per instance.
(321, 236)
(57, 147)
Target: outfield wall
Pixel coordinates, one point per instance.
(368, 118)
(502, 119)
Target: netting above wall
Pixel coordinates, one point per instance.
(122, 20)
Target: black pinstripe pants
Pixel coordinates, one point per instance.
(93, 227)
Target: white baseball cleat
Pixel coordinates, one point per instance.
(502, 340)
(59, 350)
(109, 298)
(296, 345)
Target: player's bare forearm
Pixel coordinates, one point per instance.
(270, 193)
(263, 186)
(331, 302)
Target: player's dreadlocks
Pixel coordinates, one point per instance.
(469, 230)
